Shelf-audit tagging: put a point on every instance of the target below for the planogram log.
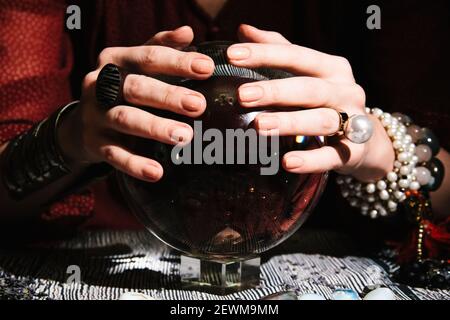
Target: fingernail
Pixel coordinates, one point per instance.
(152, 173)
(268, 122)
(250, 93)
(294, 162)
(191, 102)
(202, 66)
(181, 135)
(238, 53)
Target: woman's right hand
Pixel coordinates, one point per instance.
(100, 130)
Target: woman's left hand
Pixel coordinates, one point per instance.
(323, 85)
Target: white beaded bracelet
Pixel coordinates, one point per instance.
(381, 198)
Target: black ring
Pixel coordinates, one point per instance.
(109, 86)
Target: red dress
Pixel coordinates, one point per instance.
(403, 67)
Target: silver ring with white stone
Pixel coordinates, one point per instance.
(358, 129)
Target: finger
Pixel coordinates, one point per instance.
(137, 122)
(301, 91)
(315, 161)
(292, 58)
(136, 166)
(247, 33)
(314, 122)
(145, 91)
(152, 60)
(178, 39)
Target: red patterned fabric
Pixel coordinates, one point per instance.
(78, 205)
(36, 61)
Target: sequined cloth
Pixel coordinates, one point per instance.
(112, 263)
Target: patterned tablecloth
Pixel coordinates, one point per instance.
(112, 263)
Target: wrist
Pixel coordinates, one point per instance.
(379, 156)
(416, 171)
(34, 159)
(68, 137)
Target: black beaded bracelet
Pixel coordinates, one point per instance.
(34, 159)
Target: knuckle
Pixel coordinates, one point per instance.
(274, 90)
(169, 94)
(343, 65)
(291, 122)
(183, 61)
(120, 117)
(329, 121)
(90, 79)
(153, 128)
(108, 153)
(150, 55)
(322, 59)
(133, 88)
(260, 54)
(129, 164)
(105, 55)
(359, 95)
(317, 92)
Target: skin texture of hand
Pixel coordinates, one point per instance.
(103, 131)
(323, 84)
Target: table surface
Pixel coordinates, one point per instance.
(112, 263)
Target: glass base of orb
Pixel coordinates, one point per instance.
(219, 278)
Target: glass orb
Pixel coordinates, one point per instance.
(223, 212)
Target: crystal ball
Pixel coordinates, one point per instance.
(211, 205)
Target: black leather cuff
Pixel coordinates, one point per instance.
(34, 159)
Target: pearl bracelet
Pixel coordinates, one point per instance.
(414, 168)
